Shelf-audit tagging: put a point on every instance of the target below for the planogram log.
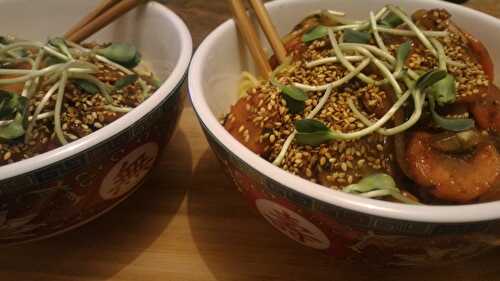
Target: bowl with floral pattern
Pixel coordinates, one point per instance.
(69, 185)
(341, 224)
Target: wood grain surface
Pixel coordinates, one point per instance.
(189, 223)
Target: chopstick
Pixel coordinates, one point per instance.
(269, 29)
(103, 19)
(103, 6)
(249, 34)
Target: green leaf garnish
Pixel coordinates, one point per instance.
(451, 124)
(10, 103)
(60, 43)
(391, 20)
(438, 84)
(294, 92)
(134, 62)
(430, 78)
(51, 60)
(294, 98)
(372, 182)
(20, 53)
(315, 33)
(313, 139)
(294, 106)
(86, 86)
(156, 82)
(7, 104)
(312, 132)
(13, 106)
(444, 91)
(378, 185)
(310, 126)
(4, 40)
(121, 53)
(403, 51)
(57, 42)
(353, 36)
(125, 81)
(15, 129)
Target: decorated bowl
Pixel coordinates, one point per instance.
(343, 225)
(73, 184)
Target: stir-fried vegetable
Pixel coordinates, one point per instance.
(316, 134)
(63, 62)
(410, 88)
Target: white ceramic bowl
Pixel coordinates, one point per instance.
(73, 184)
(336, 220)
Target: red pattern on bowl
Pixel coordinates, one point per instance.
(71, 185)
(339, 224)
(77, 190)
(347, 234)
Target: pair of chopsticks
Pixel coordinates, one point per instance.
(249, 34)
(105, 13)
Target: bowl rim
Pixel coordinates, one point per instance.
(167, 89)
(479, 212)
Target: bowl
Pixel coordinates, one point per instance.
(339, 224)
(71, 185)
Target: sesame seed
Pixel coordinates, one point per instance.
(308, 172)
(343, 166)
(322, 161)
(272, 138)
(7, 155)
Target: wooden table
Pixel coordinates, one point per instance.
(189, 223)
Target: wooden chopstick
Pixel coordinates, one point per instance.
(250, 36)
(269, 30)
(102, 7)
(103, 20)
